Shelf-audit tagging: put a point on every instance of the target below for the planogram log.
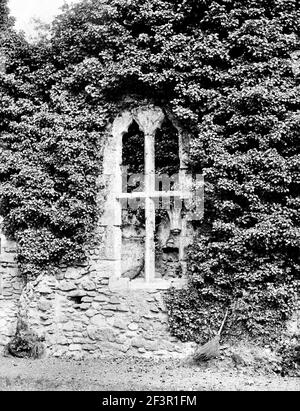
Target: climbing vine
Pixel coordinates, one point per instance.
(49, 161)
(223, 69)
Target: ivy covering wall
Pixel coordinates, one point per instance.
(223, 68)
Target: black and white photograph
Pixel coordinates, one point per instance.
(149, 199)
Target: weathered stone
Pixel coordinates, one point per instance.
(47, 323)
(2, 323)
(136, 318)
(77, 293)
(110, 336)
(68, 326)
(108, 313)
(62, 340)
(78, 340)
(110, 307)
(91, 293)
(92, 332)
(96, 306)
(62, 319)
(146, 326)
(90, 313)
(133, 326)
(151, 346)
(122, 308)
(107, 320)
(121, 339)
(120, 324)
(101, 298)
(148, 316)
(72, 273)
(99, 321)
(88, 347)
(149, 337)
(137, 342)
(114, 300)
(67, 286)
(44, 289)
(124, 348)
(84, 306)
(87, 299)
(89, 285)
(44, 305)
(75, 347)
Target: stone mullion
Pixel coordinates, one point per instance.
(149, 207)
(183, 183)
(120, 127)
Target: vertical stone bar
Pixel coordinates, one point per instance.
(149, 207)
(117, 243)
(149, 120)
(183, 187)
(120, 126)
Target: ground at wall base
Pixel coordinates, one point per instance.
(136, 374)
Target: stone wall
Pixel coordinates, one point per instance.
(10, 289)
(91, 310)
(80, 316)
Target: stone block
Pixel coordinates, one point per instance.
(74, 347)
(92, 332)
(62, 340)
(137, 342)
(151, 346)
(99, 321)
(122, 324)
(92, 293)
(72, 273)
(44, 289)
(88, 285)
(124, 348)
(90, 313)
(110, 307)
(77, 293)
(101, 298)
(108, 313)
(97, 306)
(87, 299)
(114, 300)
(122, 308)
(44, 305)
(2, 323)
(133, 326)
(69, 326)
(121, 339)
(78, 340)
(67, 286)
(88, 347)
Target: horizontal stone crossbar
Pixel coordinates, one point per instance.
(154, 194)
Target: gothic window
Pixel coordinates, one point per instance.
(149, 191)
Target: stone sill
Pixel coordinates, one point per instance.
(7, 260)
(124, 284)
